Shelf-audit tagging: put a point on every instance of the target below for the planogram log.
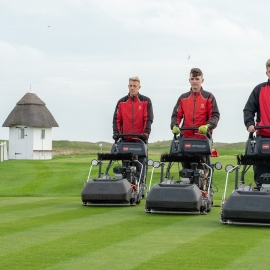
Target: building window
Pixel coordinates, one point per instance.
(21, 133)
(42, 134)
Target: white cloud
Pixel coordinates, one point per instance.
(17, 52)
(179, 18)
(77, 86)
(225, 29)
(57, 8)
(80, 65)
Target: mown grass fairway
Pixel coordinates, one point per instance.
(44, 226)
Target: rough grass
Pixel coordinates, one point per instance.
(155, 148)
(70, 148)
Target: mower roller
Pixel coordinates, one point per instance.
(127, 186)
(247, 204)
(191, 193)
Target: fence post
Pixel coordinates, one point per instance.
(5, 151)
(2, 151)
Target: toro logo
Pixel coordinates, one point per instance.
(125, 148)
(187, 145)
(265, 146)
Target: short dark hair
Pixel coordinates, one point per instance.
(196, 72)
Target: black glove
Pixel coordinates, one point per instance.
(115, 136)
(145, 137)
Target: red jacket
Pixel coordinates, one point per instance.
(133, 115)
(259, 104)
(196, 109)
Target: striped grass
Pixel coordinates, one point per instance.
(44, 226)
(59, 233)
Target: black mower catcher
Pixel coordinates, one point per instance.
(192, 193)
(247, 204)
(128, 184)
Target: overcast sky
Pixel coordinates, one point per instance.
(78, 55)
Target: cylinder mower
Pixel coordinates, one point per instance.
(192, 192)
(249, 204)
(127, 186)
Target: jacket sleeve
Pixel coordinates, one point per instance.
(177, 113)
(149, 117)
(117, 119)
(213, 112)
(251, 107)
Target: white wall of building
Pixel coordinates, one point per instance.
(42, 154)
(30, 144)
(12, 143)
(20, 142)
(38, 142)
(42, 146)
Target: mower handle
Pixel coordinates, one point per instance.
(208, 135)
(257, 127)
(139, 135)
(129, 134)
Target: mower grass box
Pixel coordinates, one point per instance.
(174, 198)
(251, 206)
(107, 190)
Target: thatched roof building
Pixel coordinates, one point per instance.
(30, 111)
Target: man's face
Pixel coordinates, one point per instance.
(268, 73)
(134, 87)
(195, 82)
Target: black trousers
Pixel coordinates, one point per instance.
(259, 170)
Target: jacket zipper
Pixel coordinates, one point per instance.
(133, 114)
(194, 98)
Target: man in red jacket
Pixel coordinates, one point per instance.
(133, 114)
(195, 108)
(259, 104)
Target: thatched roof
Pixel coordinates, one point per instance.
(30, 111)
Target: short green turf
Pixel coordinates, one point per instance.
(43, 225)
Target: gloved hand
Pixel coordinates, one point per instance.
(176, 130)
(145, 136)
(115, 136)
(204, 128)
